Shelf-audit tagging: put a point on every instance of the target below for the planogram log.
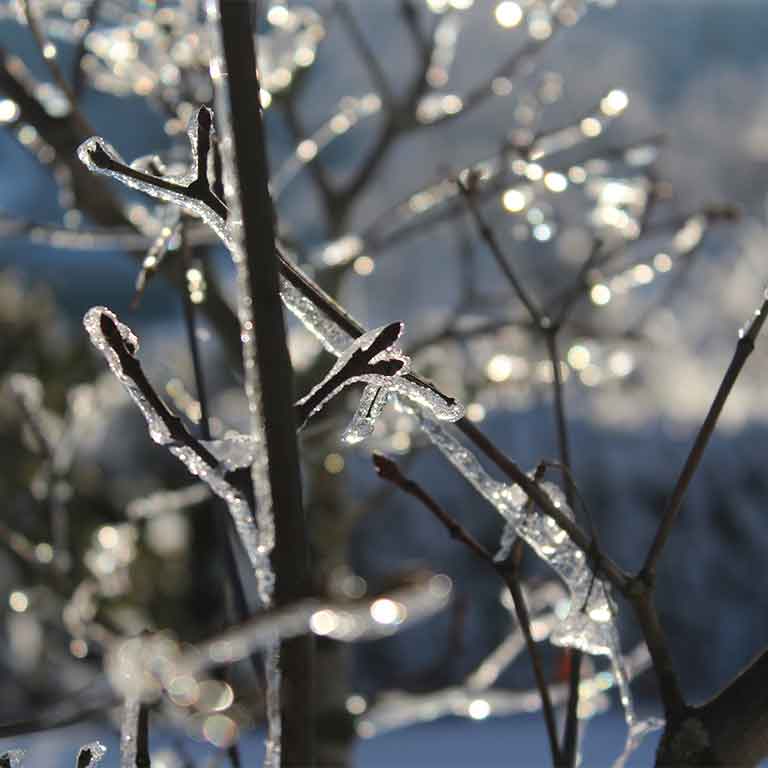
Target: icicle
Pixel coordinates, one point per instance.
(637, 730)
(371, 405)
(128, 732)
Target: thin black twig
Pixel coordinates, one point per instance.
(142, 738)
(372, 64)
(467, 188)
(290, 557)
(388, 470)
(744, 348)
(49, 54)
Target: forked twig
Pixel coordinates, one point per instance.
(389, 471)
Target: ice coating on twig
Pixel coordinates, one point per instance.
(398, 709)
(375, 359)
(589, 625)
(363, 620)
(166, 501)
(209, 468)
(363, 423)
(90, 754)
(259, 470)
(129, 723)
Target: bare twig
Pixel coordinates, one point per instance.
(48, 52)
(142, 738)
(489, 237)
(291, 555)
(372, 64)
(388, 470)
(744, 348)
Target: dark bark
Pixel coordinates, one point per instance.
(729, 731)
(291, 557)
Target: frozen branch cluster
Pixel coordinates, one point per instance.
(372, 358)
(175, 56)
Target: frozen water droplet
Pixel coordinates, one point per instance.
(371, 405)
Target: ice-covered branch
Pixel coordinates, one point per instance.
(390, 471)
(397, 709)
(222, 465)
(12, 759)
(132, 668)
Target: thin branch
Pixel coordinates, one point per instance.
(744, 348)
(372, 64)
(133, 370)
(142, 738)
(663, 666)
(388, 470)
(612, 572)
(291, 554)
(467, 189)
(78, 73)
(45, 47)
